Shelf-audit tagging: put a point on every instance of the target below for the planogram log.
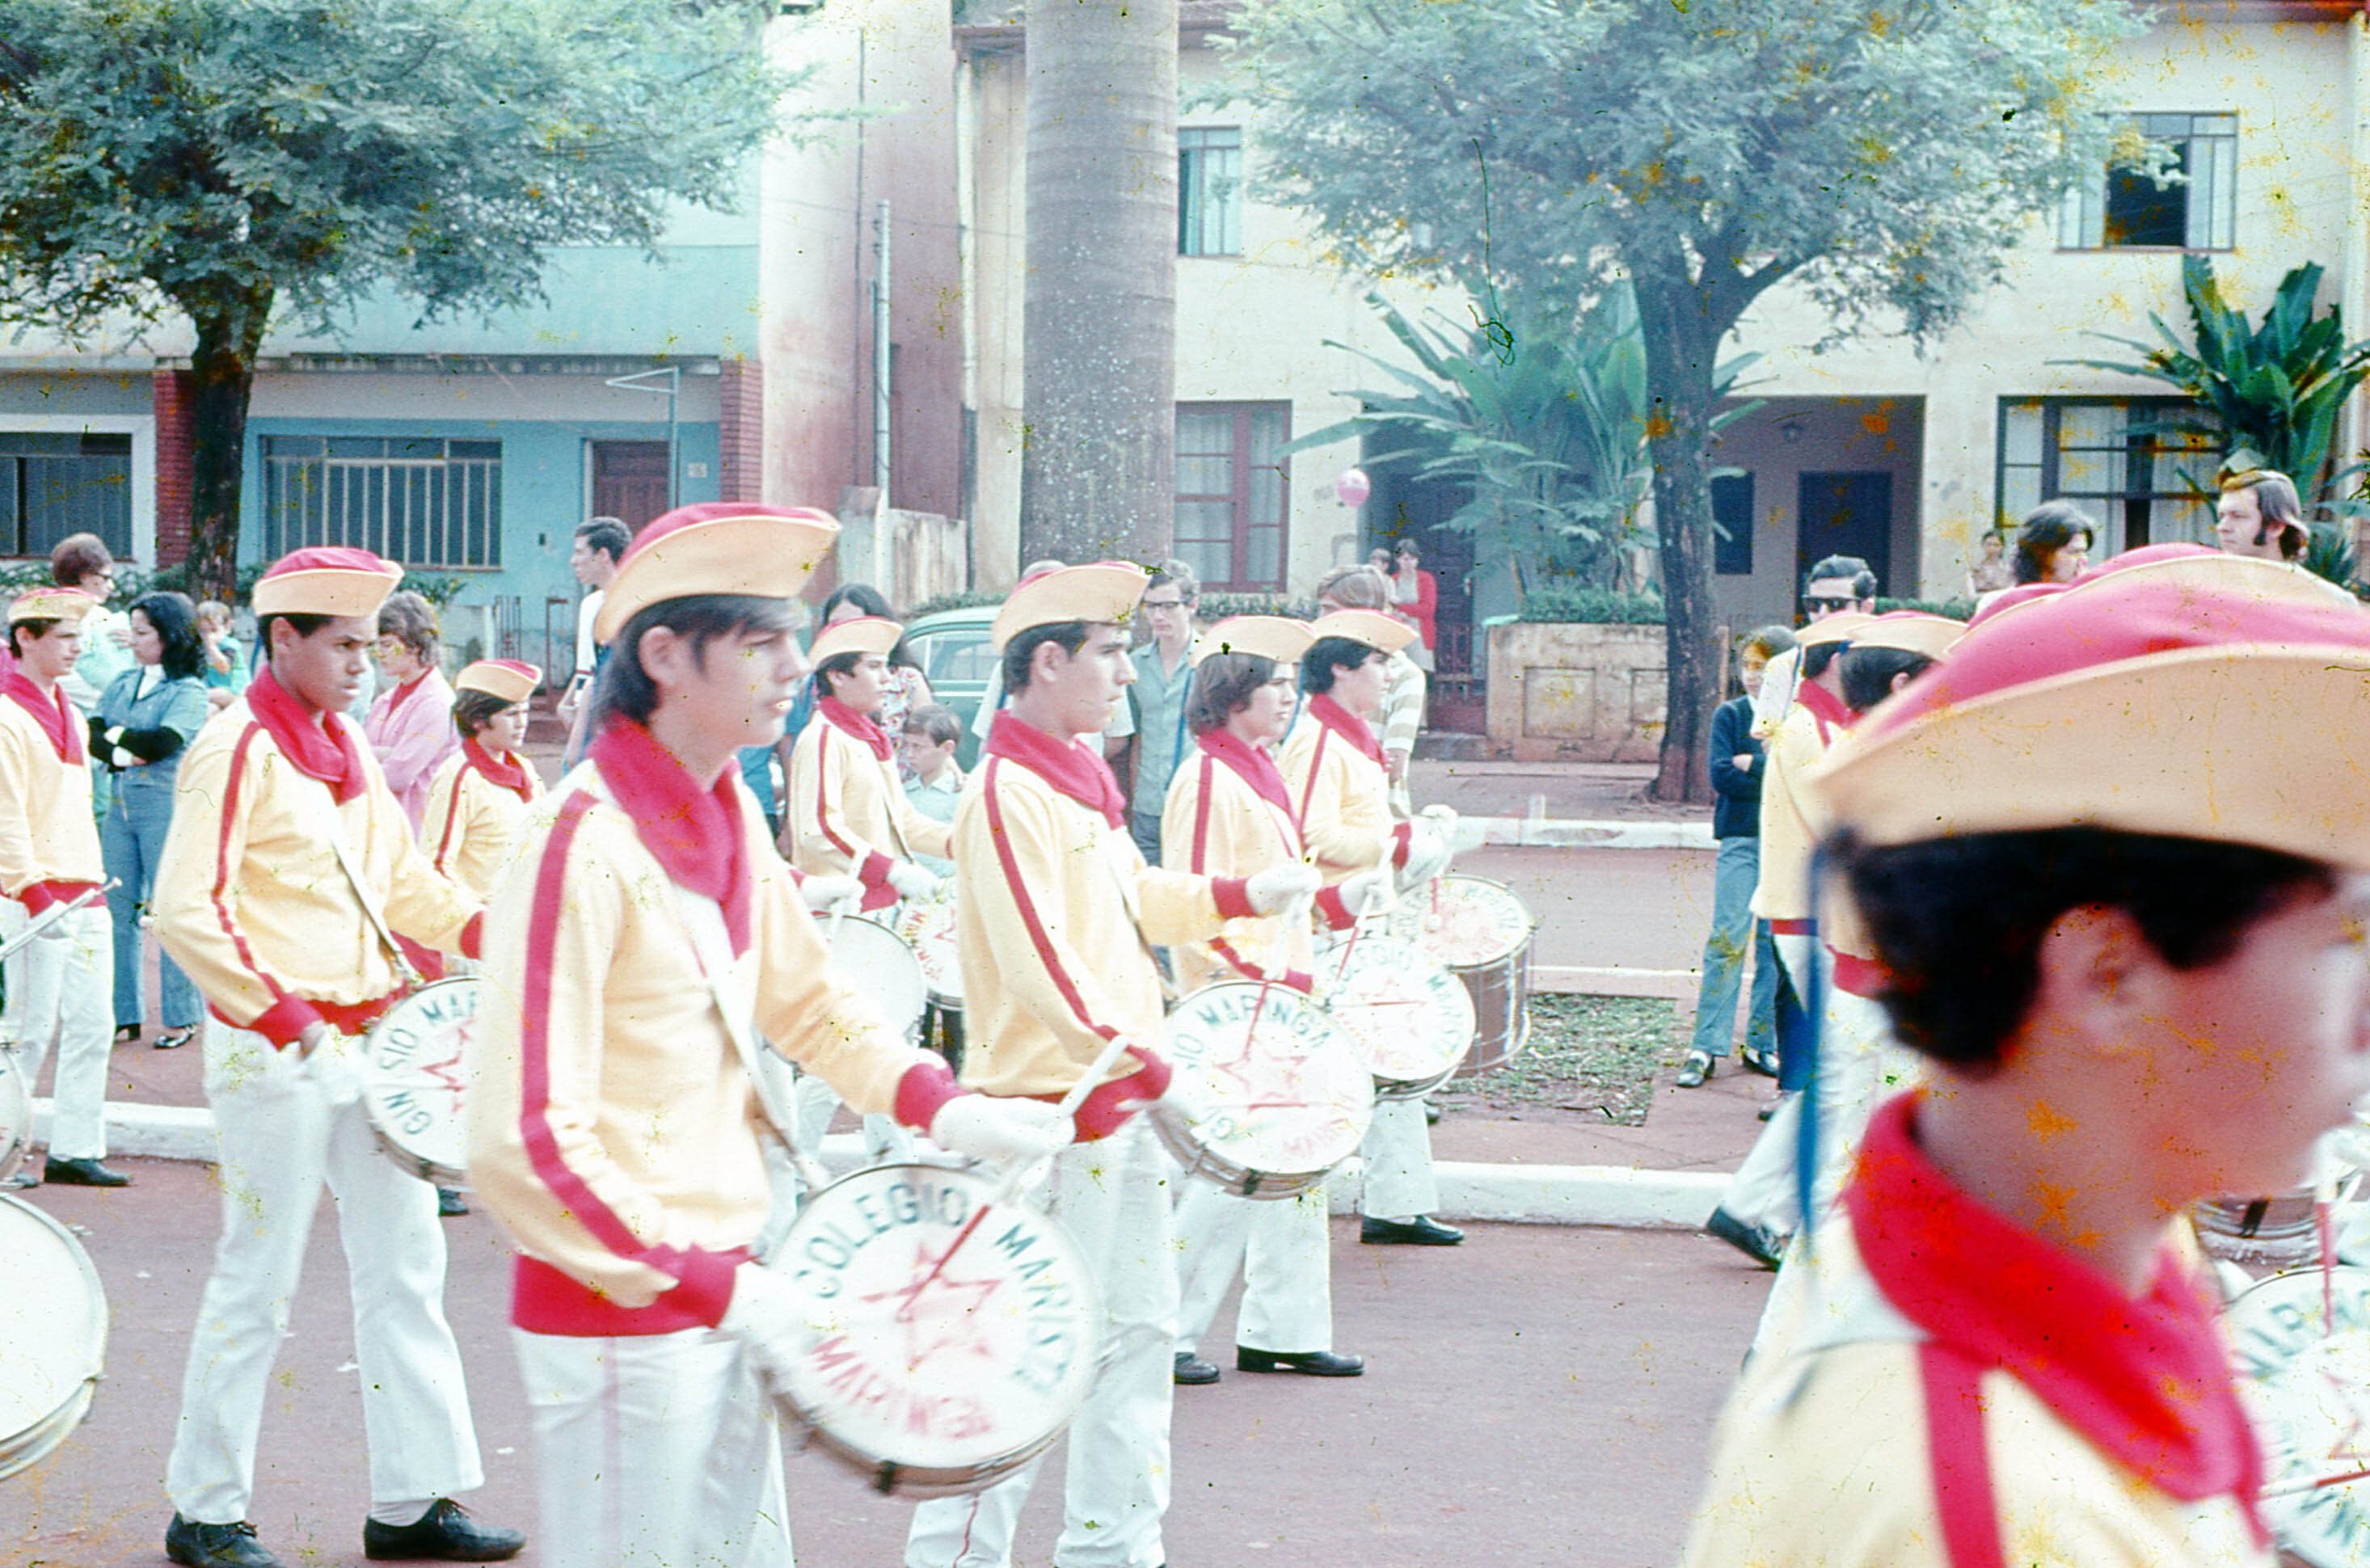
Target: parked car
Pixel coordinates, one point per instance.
(951, 648)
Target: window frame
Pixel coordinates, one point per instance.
(1203, 200)
(329, 517)
(1240, 453)
(2114, 526)
(2082, 212)
(119, 529)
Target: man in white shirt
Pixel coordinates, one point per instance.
(1838, 584)
(593, 559)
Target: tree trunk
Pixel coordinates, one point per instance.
(1682, 343)
(230, 334)
(1099, 453)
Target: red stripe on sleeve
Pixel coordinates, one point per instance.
(1201, 818)
(452, 815)
(1316, 763)
(823, 809)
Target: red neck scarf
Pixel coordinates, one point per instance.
(315, 744)
(1827, 709)
(1072, 769)
(2145, 1380)
(51, 712)
(1346, 724)
(407, 691)
(862, 726)
(694, 833)
(506, 770)
(1251, 765)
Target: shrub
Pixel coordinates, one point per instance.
(1603, 606)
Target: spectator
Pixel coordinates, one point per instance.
(224, 667)
(1736, 766)
(81, 561)
(593, 559)
(934, 782)
(1836, 585)
(147, 716)
(1415, 598)
(411, 723)
(1150, 727)
(1990, 573)
(2259, 514)
(2053, 544)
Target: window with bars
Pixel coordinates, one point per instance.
(423, 503)
(1230, 493)
(2121, 460)
(2120, 209)
(1210, 191)
(53, 484)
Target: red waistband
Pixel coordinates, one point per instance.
(346, 1017)
(1793, 928)
(546, 1301)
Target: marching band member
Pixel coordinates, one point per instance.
(478, 801)
(1054, 911)
(286, 850)
(2118, 895)
(59, 984)
(645, 938)
(1228, 813)
(847, 813)
(1334, 767)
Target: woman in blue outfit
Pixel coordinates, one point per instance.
(145, 716)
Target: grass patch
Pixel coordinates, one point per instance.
(1594, 1053)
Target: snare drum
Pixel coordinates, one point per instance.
(16, 1109)
(1409, 1017)
(413, 1079)
(1482, 932)
(52, 1335)
(1264, 1113)
(931, 1371)
(927, 926)
(881, 966)
(2305, 1380)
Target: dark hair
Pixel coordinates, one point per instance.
(1327, 658)
(1957, 923)
(33, 630)
(1869, 674)
(2047, 529)
(2275, 498)
(625, 689)
(869, 601)
(176, 621)
(473, 710)
(304, 625)
(935, 720)
(1021, 651)
(1223, 685)
(837, 664)
(1177, 574)
(1863, 580)
(1818, 656)
(78, 556)
(608, 535)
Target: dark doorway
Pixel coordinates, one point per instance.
(1846, 515)
(629, 481)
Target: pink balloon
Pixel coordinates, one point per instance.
(1353, 487)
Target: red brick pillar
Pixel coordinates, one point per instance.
(741, 400)
(173, 471)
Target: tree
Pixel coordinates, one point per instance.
(1099, 322)
(228, 160)
(1881, 156)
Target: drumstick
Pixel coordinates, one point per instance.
(2324, 1203)
(55, 912)
(2297, 1488)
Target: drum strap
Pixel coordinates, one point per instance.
(336, 835)
(705, 929)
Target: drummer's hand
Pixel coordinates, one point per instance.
(766, 1314)
(911, 881)
(1427, 857)
(316, 1034)
(1274, 891)
(57, 930)
(821, 893)
(986, 1128)
(1368, 893)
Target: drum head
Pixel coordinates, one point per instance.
(1276, 1108)
(1463, 921)
(927, 925)
(15, 1112)
(876, 961)
(414, 1078)
(1410, 1019)
(2307, 1383)
(52, 1335)
(954, 1337)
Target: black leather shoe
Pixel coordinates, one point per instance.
(216, 1546)
(81, 1173)
(449, 1203)
(1192, 1371)
(1700, 1065)
(1421, 1231)
(1763, 1246)
(1761, 1062)
(1769, 1106)
(446, 1534)
(1316, 1362)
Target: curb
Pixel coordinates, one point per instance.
(1577, 833)
(1519, 1195)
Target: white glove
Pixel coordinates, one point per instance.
(911, 881)
(1274, 891)
(58, 931)
(1428, 856)
(821, 893)
(1368, 893)
(984, 1127)
(768, 1315)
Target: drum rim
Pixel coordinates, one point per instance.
(1530, 917)
(410, 1159)
(1170, 1123)
(935, 1479)
(13, 1157)
(44, 1436)
(1473, 1017)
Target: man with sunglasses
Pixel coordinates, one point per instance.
(1836, 585)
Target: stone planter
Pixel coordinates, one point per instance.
(1576, 691)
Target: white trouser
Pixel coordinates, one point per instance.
(287, 1126)
(1113, 1197)
(1764, 1191)
(1284, 1251)
(813, 1103)
(656, 1451)
(1397, 1155)
(61, 996)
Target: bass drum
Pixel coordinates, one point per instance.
(1264, 1112)
(52, 1335)
(1482, 932)
(415, 1079)
(2301, 1342)
(954, 1336)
